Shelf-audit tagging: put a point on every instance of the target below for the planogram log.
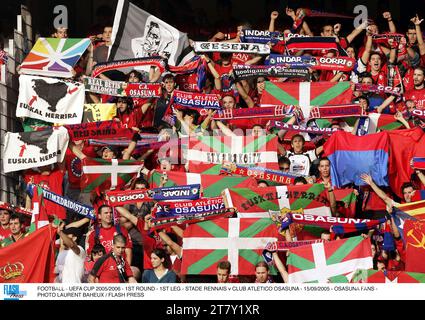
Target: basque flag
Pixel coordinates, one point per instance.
(350, 156)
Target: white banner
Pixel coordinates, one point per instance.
(50, 100)
(257, 48)
(26, 150)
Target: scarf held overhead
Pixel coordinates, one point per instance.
(158, 62)
(98, 130)
(245, 72)
(255, 48)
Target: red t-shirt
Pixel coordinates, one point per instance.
(106, 270)
(188, 82)
(4, 233)
(225, 73)
(149, 244)
(106, 236)
(52, 182)
(418, 96)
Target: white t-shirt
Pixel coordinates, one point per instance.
(300, 163)
(69, 266)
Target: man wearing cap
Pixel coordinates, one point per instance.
(70, 260)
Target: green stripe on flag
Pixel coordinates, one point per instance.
(258, 143)
(391, 126)
(206, 262)
(213, 229)
(215, 169)
(215, 189)
(420, 277)
(256, 228)
(317, 189)
(252, 257)
(323, 123)
(338, 279)
(156, 179)
(249, 194)
(96, 183)
(350, 198)
(215, 145)
(330, 94)
(126, 177)
(344, 250)
(280, 94)
(300, 262)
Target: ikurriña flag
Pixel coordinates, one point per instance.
(240, 241)
(306, 94)
(207, 153)
(30, 260)
(329, 261)
(256, 202)
(107, 174)
(351, 156)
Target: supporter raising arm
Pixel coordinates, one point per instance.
(417, 22)
(391, 25)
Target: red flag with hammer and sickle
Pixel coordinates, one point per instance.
(414, 233)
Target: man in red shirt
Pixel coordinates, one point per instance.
(105, 233)
(113, 268)
(417, 94)
(4, 224)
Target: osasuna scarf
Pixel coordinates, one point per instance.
(279, 125)
(344, 64)
(143, 90)
(70, 204)
(162, 223)
(285, 245)
(341, 111)
(259, 173)
(196, 100)
(378, 89)
(188, 192)
(109, 87)
(339, 225)
(129, 63)
(8, 206)
(255, 48)
(278, 71)
(311, 43)
(196, 64)
(168, 209)
(98, 130)
(261, 36)
(253, 113)
(125, 143)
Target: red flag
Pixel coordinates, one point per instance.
(414, 234)
(404, 144)
(30, 260)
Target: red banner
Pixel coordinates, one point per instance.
(143, 90)
(25, 262)
(98, 130)
(414, 234)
